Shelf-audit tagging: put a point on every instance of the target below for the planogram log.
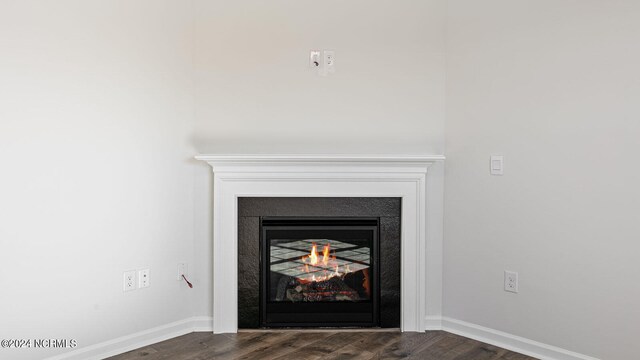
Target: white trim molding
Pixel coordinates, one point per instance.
(504, 340)
(404, 176)
(138, 340)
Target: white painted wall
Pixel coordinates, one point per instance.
(256, 94)
(554, 87)
(96, 110)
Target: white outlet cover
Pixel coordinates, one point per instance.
(143, 278)
(129, 280)
(314, 59)
(511, 281)
(330, 61)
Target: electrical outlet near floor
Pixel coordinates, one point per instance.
(143, 278)
(510, 281)
(129, 280)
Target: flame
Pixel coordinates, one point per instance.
(314, 255)
(325, 254)
(329, 266)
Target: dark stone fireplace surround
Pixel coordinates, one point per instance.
(250, 209)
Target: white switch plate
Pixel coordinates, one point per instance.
(182, 269)
(511, 281)
(143, 278)
(497, 165)
(129, 280)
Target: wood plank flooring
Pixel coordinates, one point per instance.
(321, 345)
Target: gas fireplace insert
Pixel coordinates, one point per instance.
(319, 272)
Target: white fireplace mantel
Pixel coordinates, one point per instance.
(417, 179)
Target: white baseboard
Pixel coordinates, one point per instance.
(502, 339)
(433, 323)
(205, 323)
(137, 340)
(202, 323)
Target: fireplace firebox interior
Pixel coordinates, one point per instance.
(319, 272)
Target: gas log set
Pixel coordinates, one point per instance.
(318, 272)
(324, 277)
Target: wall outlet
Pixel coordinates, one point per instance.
(182, 269)
(129, 280)
(329, 61)
(511, 281)
(314, 59)
(143, 278)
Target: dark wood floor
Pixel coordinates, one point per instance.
(298, 345)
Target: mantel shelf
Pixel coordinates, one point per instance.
(316, 158)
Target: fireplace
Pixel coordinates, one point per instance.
(319, 272)
(276, 183)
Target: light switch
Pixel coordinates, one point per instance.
(497, 165)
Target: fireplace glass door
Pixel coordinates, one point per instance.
(319, 272)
